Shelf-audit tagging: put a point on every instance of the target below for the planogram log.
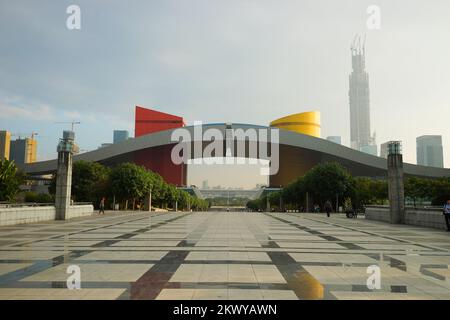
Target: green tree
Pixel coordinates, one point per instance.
(10, 180)
(328, 180)
(362, 192)
(129, 181)
(198, 204)
(38, 197)
(156, 184)
(183, 200)
(380, 190)
(168, 195)
(253, 205)
(294, 194)
(440, 191)
(274, 200)
(89, 181)
(417, 188)
(52, 185)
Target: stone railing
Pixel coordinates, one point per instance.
(424, 217)
(31, 214)
(378, 213)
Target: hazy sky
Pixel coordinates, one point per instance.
(248, 61)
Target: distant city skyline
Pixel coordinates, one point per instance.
(251, 61)
(225, 176)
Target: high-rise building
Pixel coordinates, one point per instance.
(371, 149)
(384, 150)
(205, 184)
(360, 134)
(120, 135)
(335, 139)
(5, 141)
(430, 151)
(23, 150)
(103, 145)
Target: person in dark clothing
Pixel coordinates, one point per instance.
(328, 208)
(447, 214)
(102, 206)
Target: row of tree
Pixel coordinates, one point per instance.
(332, 182)
(436, 191)
(128, 185)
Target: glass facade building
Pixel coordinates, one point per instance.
(120, 135)
(430, 152)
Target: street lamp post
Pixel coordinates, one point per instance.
(150, 201)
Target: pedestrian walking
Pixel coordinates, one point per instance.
(447, 214)
(102, 206)
(328, 207)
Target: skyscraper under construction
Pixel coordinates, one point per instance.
(23, 150)
(360, 134)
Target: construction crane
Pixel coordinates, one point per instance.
(69, 122)
(20, 135)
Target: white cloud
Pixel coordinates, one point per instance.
(28, 111)
(175, 59)
(72, 114)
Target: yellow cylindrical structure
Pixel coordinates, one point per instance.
(306, 123)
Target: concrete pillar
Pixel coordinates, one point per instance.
(66, 148)
(396, 183)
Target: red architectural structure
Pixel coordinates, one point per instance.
(150, 121)
(158, 159)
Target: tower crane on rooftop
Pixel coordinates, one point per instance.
(73, 123)
(20, 135)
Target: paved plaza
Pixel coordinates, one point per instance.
(223, 256)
